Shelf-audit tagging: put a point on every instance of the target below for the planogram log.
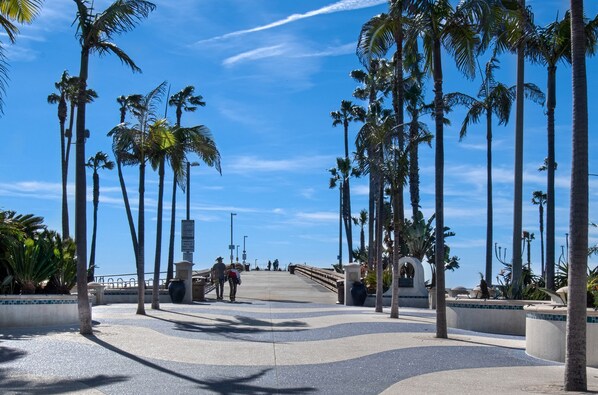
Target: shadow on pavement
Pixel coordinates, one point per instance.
(233, 385)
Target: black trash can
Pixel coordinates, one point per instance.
(358, 293)
(292, 269)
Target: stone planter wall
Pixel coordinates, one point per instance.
(130, 296)
(505, 317)
(546, 329)
(38, 310)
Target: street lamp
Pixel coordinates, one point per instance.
(244, 252)
(231, 246)
(188, 226)
(189, 164)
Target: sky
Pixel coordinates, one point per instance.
(270, 72)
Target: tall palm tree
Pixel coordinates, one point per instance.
(132, 145)
(348, 112)
(440, 24)
(67, 93)
(549, 45)
(60, 99)
(493, 98)
(539, 198)
(100, 161)
(184, 100)
(128, 103)
(11, 12)
(95, 30)
(575, 353)
(361, 221)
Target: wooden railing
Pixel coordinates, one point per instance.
(326, 278)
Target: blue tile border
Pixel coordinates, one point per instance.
(558, 317)
(36, 301)
(485, 306)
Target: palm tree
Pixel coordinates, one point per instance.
(132, 145)
(539, 198)
(95, 32)
(67, 92)
(19, 11)
(575, 353)
(548, 46)
(361, 221)
(99, 161)
(439, 23)
(348, 112)
(493, 98)
(128, 103)
(182, 101)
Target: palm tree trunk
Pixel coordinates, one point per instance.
(516, 272)
(379, 238)
(156, 283)
(489, 208)
(347, 218)
(541, 209)
(340, 226)
(575, 354)
(141, 242)
(170, 268)
(96, 202)
(130, 220)
(441, 325)
(394, 307)
(81, 203)
(414, 166)
(65, 208)
(398, 104)
(550, 198)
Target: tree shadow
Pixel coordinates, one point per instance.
(10, 354)
(229, 328)
(9, 383)
(219, 385)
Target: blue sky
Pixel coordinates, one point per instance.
(270, 72)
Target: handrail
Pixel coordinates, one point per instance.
(327, 278)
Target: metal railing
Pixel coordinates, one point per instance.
(326, 278)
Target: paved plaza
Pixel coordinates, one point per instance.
(284, 335)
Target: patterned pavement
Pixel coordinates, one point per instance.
(284, 335)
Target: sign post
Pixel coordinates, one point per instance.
(188, 239)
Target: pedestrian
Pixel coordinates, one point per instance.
(218, 276)
(234, 279)
(269, 265)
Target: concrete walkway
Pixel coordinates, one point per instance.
(284, 335)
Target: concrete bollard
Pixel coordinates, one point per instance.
(183, 272)
(98, 290)
(352, 274)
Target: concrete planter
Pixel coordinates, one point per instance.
(505, 317)
(545, 332)
(38, 310)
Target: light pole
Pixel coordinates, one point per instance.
(244, 252)
(188, 226)
(231, 246)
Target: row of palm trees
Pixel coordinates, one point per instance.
(150, 139)
(417, 33)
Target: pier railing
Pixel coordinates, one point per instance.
(326, 277)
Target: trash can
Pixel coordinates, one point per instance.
(199, 289)
(292, 269)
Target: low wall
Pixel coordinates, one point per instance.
(38, 310)
(130, 296)
(404, 300)
(505, 317)
(546, 332)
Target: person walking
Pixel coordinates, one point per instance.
(218, 275)
(234, 279)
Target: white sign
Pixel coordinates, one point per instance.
(187, 229)
(187, 245)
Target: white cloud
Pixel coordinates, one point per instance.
(325, 216)
(343, 5)
(255, 54)
(253, 164)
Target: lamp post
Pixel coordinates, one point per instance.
(231, 246)
(244, 252)
(188, 226)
